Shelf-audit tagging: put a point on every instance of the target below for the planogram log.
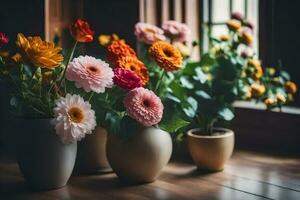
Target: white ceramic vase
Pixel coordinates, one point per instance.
(140, 158)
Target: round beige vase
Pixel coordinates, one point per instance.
(210, 152)
(91, 153)
(140, 158)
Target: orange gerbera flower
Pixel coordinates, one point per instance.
(166, 55)
(119, 49)
(136, 66)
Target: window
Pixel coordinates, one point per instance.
(186, 11)
(217, 12)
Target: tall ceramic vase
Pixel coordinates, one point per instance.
(44, 160)
(140, 158)
(91, 154)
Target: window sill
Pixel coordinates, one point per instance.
(261, 106)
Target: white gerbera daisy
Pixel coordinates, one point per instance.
(90, 73)
(73, 118)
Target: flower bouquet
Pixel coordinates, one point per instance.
(229, 71)
(142, 108)
(51, 110)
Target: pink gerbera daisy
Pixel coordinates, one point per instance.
(90, 73)
(148, 33)
(144, 106)
(177, 31)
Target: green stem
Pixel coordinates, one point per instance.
(91, 96)
(69, 60)
(159, 81)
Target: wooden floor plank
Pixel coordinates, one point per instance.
(247, 176)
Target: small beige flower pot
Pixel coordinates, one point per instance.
(91, 153)
(210, 152)
(140, 158)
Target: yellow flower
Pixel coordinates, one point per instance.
(280, 98)
(105, 40)
(269, 102)
(247, 94)
(258, 72)
(215, 50)
(209, 76)
(257, 90)
(291, 87)
(184, 50)
(275, 80)
(38, 52)
(234, 25)
(224, 37)
(246, 38)
(271, 71)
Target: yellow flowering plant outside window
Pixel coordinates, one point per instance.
(230, 72)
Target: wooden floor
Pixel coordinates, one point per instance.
(247, 176)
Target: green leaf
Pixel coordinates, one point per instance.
(202, 94)
(200, 76)
(173, 123)
(177, 90)
(207, 59)
(226, 114)
(190, 107)
(285, 75)
(113, 123)
(186, 83)
(190, 68)
(173, 98)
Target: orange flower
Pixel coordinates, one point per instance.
(38, 52)
(136, 66)
(166, 55)
(118, 49)
(246, 38)
(224, 37)
(234, 25)
(81, 32)
(291, 87)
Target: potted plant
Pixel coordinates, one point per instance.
(227, 72)
(50, 114)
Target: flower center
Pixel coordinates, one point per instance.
(168, 53)
(150, 30)
(146, 103)
(76, 115)
(93, 69)
(132, 68)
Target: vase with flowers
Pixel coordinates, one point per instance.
(140, 115)
(52, 113)
(229, 71)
